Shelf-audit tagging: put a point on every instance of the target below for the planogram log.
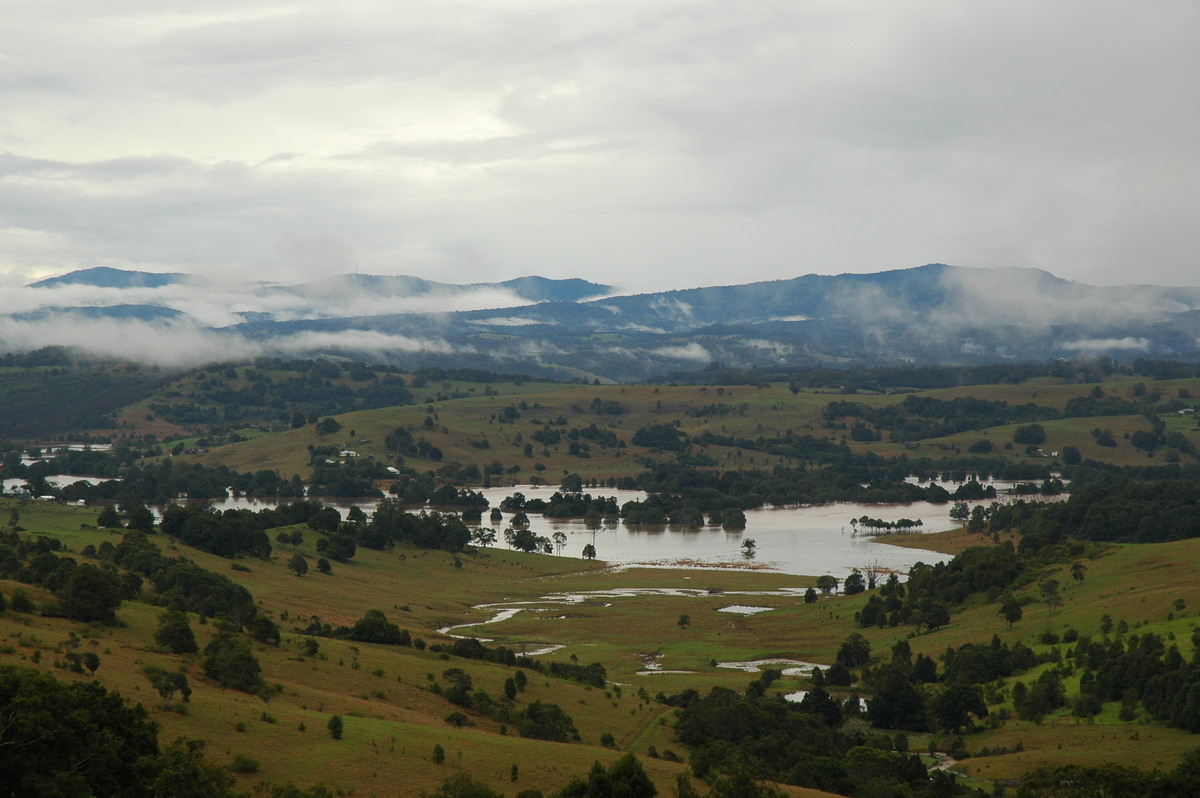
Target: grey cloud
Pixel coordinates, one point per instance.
(1093, 345)
(662, 144)
(179, 345)
(692, 351)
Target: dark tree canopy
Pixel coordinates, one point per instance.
(70, 739)
(543, 721)
(229, 660)
(625, 778)
(175, 633)
(91, 594)
(374, 627)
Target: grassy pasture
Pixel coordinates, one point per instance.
(393, 720)
(467, 429)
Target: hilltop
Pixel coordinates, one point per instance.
(576, 328)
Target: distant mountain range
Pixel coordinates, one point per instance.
(575, 328)
(105, 277)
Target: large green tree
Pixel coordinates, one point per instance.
(70, 739)
(175, 633)
(91, 594)
(952, 706)
(229, 660)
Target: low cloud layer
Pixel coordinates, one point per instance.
(223, 306)
(182, 345)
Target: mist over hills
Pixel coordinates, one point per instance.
(574, 328)
(106, 277)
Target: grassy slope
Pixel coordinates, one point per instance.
(1138, 584)
(459, 426)
(392, 719)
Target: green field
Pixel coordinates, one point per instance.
(393, 719)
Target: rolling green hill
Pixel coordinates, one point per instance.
(397, 702)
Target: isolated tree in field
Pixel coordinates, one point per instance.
(826, 583)
(323, 566)
(109, 518)
(229, 660)
(854, 583)
(545, 721)
(168, 683)
(684, 621)
(1010, 609)
(1050, 594)
(91, 661)
(298, 564)
(335, 726)
(810, 596)
(1030, 435)
(589, 551)
(141, 519)
(458, 720)
(175, 633)
(1078, 570)
(374, 627)
(855, 651)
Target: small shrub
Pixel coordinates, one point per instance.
(243, 764)
(21, 602)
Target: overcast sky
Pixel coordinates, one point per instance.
(651, 144)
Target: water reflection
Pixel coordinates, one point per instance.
(800, 540)
(809, 540)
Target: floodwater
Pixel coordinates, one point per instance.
(809, 540)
